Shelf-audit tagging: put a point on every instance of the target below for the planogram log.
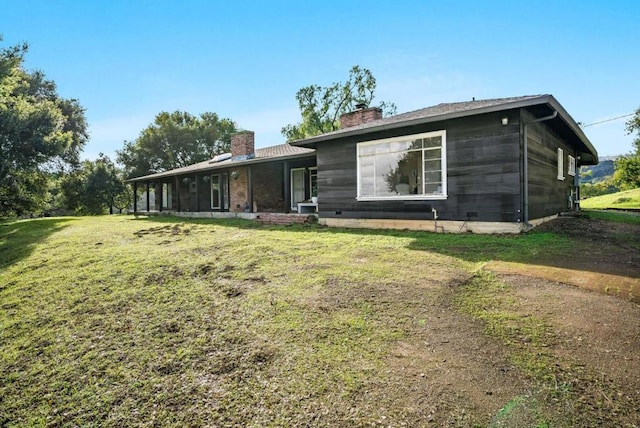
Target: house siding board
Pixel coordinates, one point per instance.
(482, 169)
(547, 194)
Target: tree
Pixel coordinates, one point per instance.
(40, 133)
(95, 187)
(627, 175)
(175, 140)
(321, 107)
(633, 125)
(627, 171)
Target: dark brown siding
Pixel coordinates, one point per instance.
(483, 169)
(547, 194)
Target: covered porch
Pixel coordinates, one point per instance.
(280, 179)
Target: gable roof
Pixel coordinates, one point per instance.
(281, 151)
(446, 111)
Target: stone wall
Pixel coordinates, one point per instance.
(238, 189)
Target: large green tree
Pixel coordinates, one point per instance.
(175, 140)
(41, 134)
(95, 187)
(627, 175)
(322, 106)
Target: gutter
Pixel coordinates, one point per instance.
(525, 168)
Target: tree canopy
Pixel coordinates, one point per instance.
(627, 175)
(95, 187)
(321, 107)
(176, 140)
(40, 133)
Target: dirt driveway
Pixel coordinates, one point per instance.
(584, 370)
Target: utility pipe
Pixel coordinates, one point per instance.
(525, 168)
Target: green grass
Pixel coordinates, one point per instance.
(624, 199)
(111, 321)
(118, 321)
(617, 217)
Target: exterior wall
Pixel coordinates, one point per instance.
(238, 189)
(268, 187)
(483, 174)
(547, 194)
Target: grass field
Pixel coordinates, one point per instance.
(624, 199)
(118, 321)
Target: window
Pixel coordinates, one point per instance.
(409, 167)
(216, 194)
(560, 164)
(313, 181)
(571, 167)
(166, 195)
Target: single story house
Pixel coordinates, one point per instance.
(499, 165)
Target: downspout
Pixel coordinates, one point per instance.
(525, 167)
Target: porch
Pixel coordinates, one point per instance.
(248, 189)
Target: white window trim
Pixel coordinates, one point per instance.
(571, 167)
(560, 164)
(444, 195)
(294, 204)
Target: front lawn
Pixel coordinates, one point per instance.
(123, 321)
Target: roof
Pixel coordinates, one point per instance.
(281, 151)
(446, 111)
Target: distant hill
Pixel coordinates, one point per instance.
(597, 173)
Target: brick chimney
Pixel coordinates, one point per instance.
(243, 145)
(362, 114)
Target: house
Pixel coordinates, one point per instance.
(246, 181)
(498, 166)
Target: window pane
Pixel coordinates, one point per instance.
(366, 150)
(433, 188)
(432, 142)
(367, 171)
(401, 167)
(389, 173)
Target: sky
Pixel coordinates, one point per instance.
(126, 61)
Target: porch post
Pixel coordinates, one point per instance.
(250, 188)
(148, 208)
(197, 195)
(287, 187)
(177, 193)
(161, 196)
(135, 197)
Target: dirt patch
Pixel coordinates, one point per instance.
(596, 347)
(606, 257)
(447, 371)
(175, 229)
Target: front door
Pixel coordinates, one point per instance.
(297, 187)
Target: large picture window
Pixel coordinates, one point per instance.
(409, 167)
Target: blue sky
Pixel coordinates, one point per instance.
(128, 60)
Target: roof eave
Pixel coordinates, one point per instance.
(214, 167)
(543, 99)
(575, 128)
(308, 142)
